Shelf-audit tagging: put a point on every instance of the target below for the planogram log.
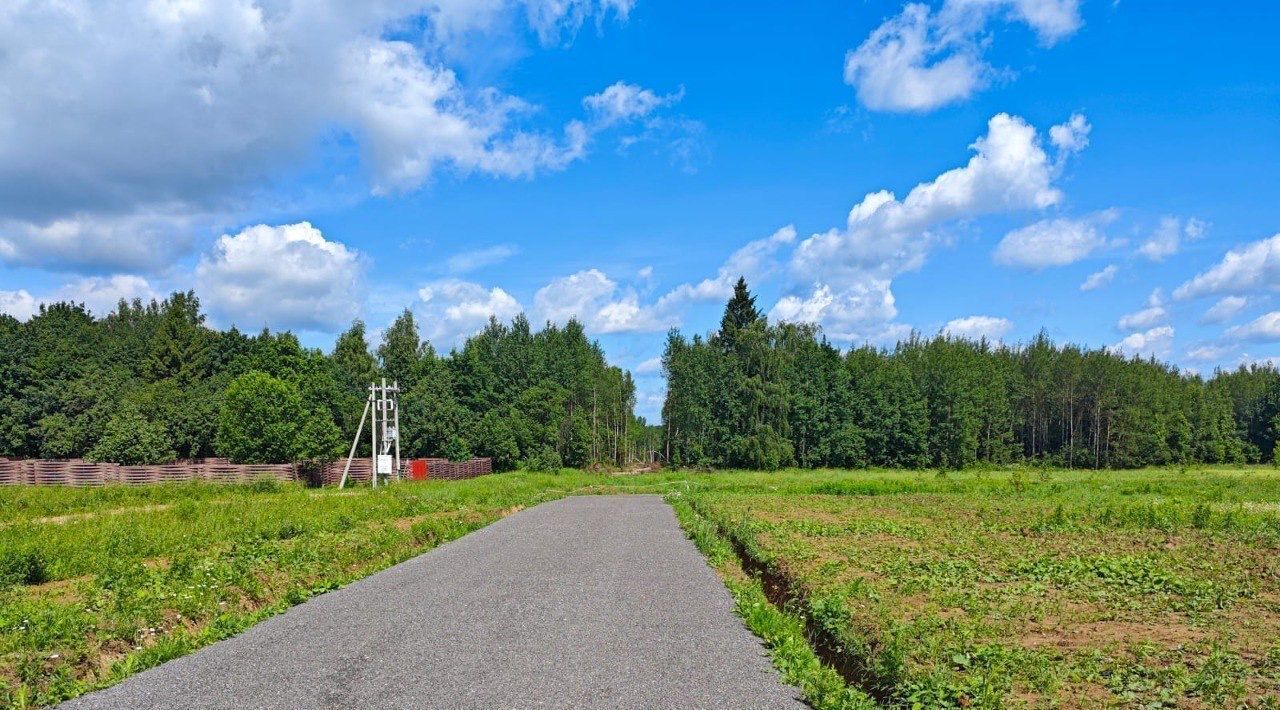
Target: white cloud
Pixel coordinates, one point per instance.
(452, 310)
(978, 327)
(130, 126)
(1208, 353)
(469, 261)
(1154, 314)
(1052, 242)
(99, 294)
(1225, 309)
(898, 68)
(858, 311)
(918, 60)
(652, 366)
(598, 303)
(755, 261)
(20, 304)
(850, 270)
(286, 276)
(1167, 239)
(1072, 136)
(1251, 268)
(1264, 328)
(1009, 171)
(625, 102)
(1154, 342)
(1098, 279)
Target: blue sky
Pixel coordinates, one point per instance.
(622, 161)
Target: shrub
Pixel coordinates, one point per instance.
(545, 460)
(260, 420)
(132, 440)
(22, 567)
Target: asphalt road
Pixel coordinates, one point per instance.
(589, 602)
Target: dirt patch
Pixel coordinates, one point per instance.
(1170, 632)
(75, 517)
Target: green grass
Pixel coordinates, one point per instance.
(96, 584)
(981, 589)
(1155, 588)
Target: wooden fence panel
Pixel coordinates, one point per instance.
(77, 472)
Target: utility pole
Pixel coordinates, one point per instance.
(383, 405)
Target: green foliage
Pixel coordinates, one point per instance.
(130, 439)
(545, 460)
(260, 420)
(760, 395)
(319, 439)
(22, 567)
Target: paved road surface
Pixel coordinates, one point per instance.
(591, 602)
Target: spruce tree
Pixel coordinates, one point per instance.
(739, 313)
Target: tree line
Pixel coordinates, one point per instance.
(152, 383)
(760, 395)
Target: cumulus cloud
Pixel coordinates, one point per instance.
(919, 60)
(130, 123)
(857, 311)
(1098, 279)
(1265, 328)
(451, 310)
(978, 327)
(1250, 268)
(1154, 314)
(99, 294)
(1168, 237)
(597, 302)
(1052, 242)
(1155, 342)
(286, 276)
(849, 270)
(20, 304)
(1225, 309)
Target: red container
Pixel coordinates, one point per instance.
(418, 470)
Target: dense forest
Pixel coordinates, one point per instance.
(761, 395)
(151, 383)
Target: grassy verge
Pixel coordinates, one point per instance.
(783, 633)
(1015, 589)
(98, 584)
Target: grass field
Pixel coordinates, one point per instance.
(96, 584)
(979, 589)
(1058, 589)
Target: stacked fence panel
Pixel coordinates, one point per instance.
(78, 472)
(452, 470)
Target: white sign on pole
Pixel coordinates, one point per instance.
(384, 464)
